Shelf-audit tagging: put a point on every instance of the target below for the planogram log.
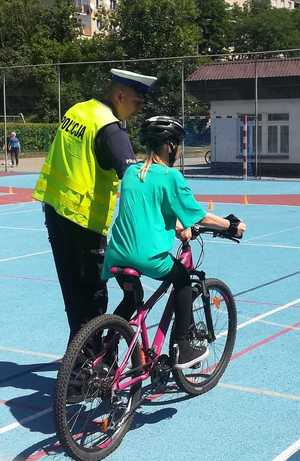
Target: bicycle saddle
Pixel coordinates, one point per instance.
(125, 271)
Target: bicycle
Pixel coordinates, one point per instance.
(108, 363)
(207, 157)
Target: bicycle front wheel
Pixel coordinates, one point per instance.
(91, 418)
(205, 375)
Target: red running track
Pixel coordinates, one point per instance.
(18, 195)
(279, 199)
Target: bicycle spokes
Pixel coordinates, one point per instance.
(214, 327)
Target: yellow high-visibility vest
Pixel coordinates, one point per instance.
(71, 180)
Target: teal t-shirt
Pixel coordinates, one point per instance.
(143, 233)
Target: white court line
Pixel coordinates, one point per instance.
(21, 211)
(25, 256)
(265, 244)
(276, 324)
(272, 233)
(280, 325)
(32, 353)
(252, 390)
(258, 391)
(290, 451)
(40, 229)
(12, 426)
(242, 325)
(267, 314)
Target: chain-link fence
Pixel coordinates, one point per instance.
(240, 112)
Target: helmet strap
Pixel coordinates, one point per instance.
(172, 153)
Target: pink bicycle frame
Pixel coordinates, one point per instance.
(141, 329)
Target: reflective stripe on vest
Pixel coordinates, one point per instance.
(71, 180)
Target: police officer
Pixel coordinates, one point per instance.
(78, 185)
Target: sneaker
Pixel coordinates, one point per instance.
(188, 355)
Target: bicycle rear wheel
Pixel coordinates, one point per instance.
(91, 419)
(205, 375)
(207, 157)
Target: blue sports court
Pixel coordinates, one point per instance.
(252, 415)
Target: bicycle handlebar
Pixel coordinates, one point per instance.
(197, 229)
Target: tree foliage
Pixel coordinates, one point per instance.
(214, 23)
(43, 32)
(262, 28)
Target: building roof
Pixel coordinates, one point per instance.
(246, 70)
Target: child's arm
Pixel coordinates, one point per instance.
(218, 223)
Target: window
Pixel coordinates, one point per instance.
(272, 139)
(113, 4)
(284, 139)
(278, 117)
(278, 133)
(258, 139)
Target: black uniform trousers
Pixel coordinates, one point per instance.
(78, 255)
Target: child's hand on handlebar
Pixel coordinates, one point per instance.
(182, 233)
(186, 234)
(236, 227)
(241, 229)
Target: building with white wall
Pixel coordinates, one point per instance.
(268, 93)
(87, 14)
(274, 3)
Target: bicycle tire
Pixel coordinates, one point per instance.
(209, 372)
(71, 437)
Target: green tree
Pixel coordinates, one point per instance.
(265, 29)
(151, 29)
(213, 22)
(35, 32)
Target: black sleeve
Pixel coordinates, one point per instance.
(113, 149)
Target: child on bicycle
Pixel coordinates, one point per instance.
(155, 204)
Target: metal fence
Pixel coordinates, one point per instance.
(240, 112)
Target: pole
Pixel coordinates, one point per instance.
(5, 125)
(256, 121)
(183, 114)
(245, 147)
(59, 93)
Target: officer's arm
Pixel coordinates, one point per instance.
(113, 149)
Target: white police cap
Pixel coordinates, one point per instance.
(141, 83)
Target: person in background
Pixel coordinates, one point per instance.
(156, 202)
(78, 185)
(14, 148)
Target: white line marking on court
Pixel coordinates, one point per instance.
(25, 256)
(273, 245)
(26, 352)
(267, 314)
(268, 322)
(258, 318)
(264, 245)
(272, 233)
(19, 211)
(290, 451)
(255, 390)
(40, 229)
(13, 426)
(280, 325)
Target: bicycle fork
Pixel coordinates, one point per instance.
(207, 308)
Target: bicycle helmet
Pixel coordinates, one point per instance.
(159, 130)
